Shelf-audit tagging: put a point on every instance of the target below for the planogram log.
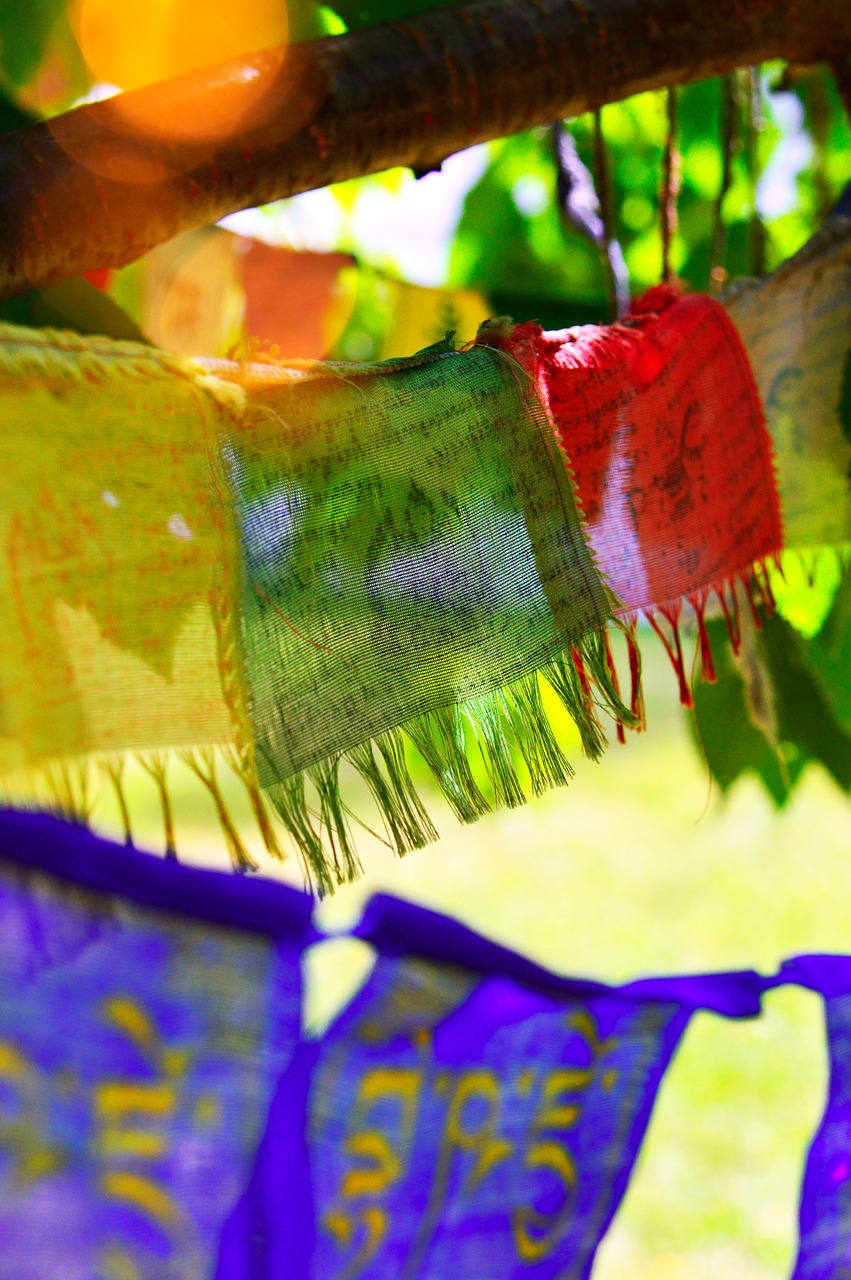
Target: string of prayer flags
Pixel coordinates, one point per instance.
(160, 1113)
(147, 1011)
(291, 570)
(824, 1251)
(300, 566)
(471, 1113)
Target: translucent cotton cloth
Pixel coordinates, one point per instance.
(146, 1013)
(118, 553)
(312, 565)
(410, 542)
(470, 1113)
(292, 564)
(662, 426)
(796, 327)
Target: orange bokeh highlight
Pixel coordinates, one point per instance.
(162, 39)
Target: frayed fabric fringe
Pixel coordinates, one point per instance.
(750, 590)
(484, 754)
(73, 791)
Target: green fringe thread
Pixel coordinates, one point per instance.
(500, 727)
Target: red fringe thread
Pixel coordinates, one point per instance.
(757, 590)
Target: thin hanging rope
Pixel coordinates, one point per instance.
(616, 275)
(754, 123)
(670, 187)
(717, 271)
(580, 209)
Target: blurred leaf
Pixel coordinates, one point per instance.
(805, 716)
(829, 655)
(805, 590)
(78, 305)
(510, 231)
(808, 724)
(24, 32)
(71, 304)
(12, 116)
(719, 706)
(310, 20)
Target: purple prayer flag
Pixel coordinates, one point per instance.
(824, 1249)
(147, 1011)
(471, 1114)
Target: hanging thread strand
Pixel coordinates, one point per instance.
(617, 279)
(717, 271)
(670, 187)
(755, 122)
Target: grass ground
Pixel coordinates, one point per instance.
(637, 869)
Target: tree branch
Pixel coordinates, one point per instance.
(89, 189)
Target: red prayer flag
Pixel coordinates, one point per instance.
(662, 427)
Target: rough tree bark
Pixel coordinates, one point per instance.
(87, 189)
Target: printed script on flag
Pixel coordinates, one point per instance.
(141, 1035)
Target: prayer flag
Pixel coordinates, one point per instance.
(412, 558)
(662, 428)
(146, 1012)
(796, 327)
(824, 1249)
(310, 565)
(471, 1114)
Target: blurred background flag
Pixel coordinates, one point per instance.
(473, 1114)
(146, 1011)
(825, 1216)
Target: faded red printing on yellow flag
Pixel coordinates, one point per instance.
(662, 426)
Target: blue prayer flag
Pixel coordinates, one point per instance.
(147, 1011)
(471, 1114)
(824, 1248)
